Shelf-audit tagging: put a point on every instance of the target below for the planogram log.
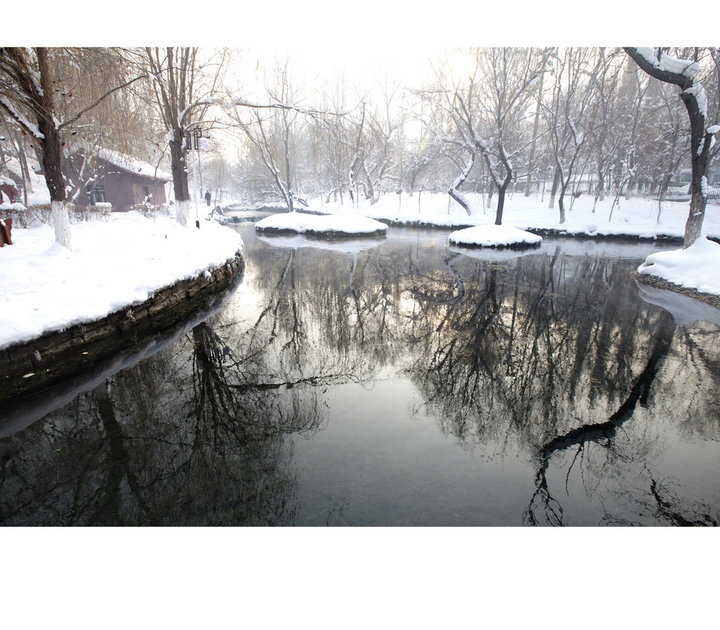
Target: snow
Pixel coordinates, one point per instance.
(494, 236)
(302, 223)
(129, 164)
(700, 96)
(21, 118)
(693, 268)
(11, 206)
(635, 217)
(115, 263)
(670, 64)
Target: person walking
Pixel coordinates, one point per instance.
(208, 196)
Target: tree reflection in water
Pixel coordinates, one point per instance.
(551, 354)
(549, 358)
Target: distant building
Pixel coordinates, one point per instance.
(111, 177)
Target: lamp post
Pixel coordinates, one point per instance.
(194, 143)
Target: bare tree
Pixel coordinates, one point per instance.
(27, 95)
(487, 111)
(566, 114)
(184, 87)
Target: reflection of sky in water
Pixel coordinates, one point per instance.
(382, 461)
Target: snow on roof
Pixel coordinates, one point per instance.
(130, 164)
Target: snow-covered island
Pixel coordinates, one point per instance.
(114, 264)
(339, 225)
(498, 236)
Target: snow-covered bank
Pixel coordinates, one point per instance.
(636, 217)
(328, 225)
(494, 236)
(696, 267)
(114, 263)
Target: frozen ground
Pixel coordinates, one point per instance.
(114, 263)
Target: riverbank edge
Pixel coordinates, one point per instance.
(660, 283)
(35, 364)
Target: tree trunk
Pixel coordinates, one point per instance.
(51, 156)
(501, 203)
(698, 201)
(178, 167)
(691, 94)
(536, 126)
(553, 191)
(561, 207)
(454, 190)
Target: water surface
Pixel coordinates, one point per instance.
(396, 382)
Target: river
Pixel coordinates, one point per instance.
(396, 382)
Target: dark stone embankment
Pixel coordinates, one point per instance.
(30, 367)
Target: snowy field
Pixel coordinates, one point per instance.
(114, 263)
(632, 217)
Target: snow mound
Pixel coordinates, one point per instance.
(114, 264)
(330, 225)
(693, 268)
(494, 236)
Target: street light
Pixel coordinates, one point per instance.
(195, 140)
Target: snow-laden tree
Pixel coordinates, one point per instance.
(29, 92)
(488, 110)
(271, 131)
(184, 85)
(684, 73)
(567, 114)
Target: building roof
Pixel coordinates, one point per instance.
(131, 165)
